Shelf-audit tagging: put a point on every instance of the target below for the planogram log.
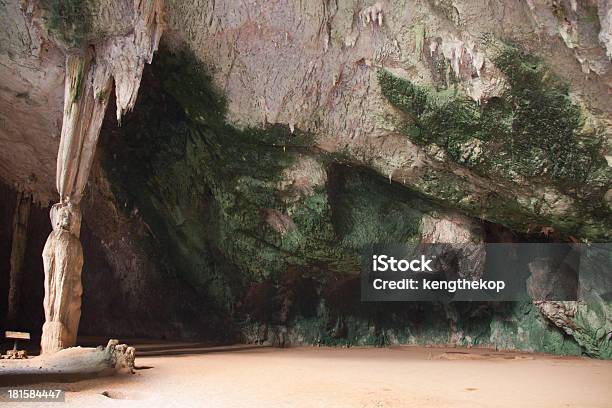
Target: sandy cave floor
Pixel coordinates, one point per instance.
(243, 376)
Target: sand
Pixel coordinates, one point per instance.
(192, 376)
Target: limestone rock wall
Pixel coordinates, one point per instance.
(342, 85)
(332, 88)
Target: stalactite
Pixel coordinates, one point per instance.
(126, 56)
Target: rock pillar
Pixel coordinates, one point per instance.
(89, 79)
(85, 99)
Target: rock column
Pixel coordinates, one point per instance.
(89, 79)
(85, 98)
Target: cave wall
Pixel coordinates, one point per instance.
(195, 229)
(452, 49)
(284, 134)
(7, 207)
(122, 295)
(31, 315)
(267, 229)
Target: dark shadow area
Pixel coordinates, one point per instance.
(30, 311)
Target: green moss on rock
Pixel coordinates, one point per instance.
(68, 20)
(271, 258)
(211, 194)
(532, 133)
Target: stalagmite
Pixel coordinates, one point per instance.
(20, 229)
(89, 77)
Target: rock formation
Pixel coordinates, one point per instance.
(69, 364)
(62, 260)
(274, 134)
(89, 75)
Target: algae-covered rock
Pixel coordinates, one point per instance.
(532, 135)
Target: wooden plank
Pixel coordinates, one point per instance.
(17, 335)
